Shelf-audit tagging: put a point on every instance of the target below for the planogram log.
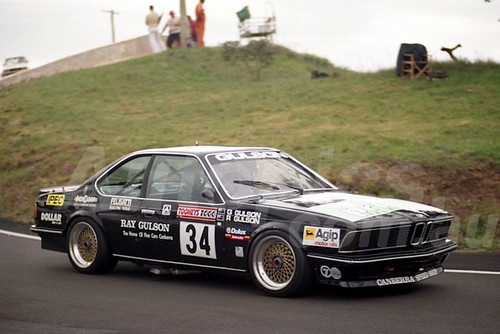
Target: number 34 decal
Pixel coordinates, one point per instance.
(197, 240)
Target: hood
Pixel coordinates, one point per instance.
(354, 208)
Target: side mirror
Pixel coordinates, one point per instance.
(208, 194)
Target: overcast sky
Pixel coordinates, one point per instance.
(362, 35)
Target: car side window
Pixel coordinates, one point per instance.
(125, 180)
(178, 178)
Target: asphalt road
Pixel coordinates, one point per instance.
(41, 293)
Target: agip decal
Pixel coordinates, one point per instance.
(321, 237)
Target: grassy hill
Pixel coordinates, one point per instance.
(434, 142)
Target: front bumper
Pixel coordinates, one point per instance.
(389, 268)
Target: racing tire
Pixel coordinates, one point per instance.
(88, 250)
(278, 265)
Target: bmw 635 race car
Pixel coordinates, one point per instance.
(257, 211)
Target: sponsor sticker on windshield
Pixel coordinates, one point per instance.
(249, 155)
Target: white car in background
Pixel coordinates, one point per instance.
(13, 65)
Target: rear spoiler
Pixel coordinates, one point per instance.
(62, 189)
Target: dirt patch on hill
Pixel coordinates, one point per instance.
(467, 191)
(471, 194)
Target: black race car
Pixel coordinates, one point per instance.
(241, 209)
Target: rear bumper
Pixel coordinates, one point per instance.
(391, 268)
(52, 239)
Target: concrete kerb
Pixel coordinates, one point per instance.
(130, 49)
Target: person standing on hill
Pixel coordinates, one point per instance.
(193, 30)
(200, 23)
(152, 21)
(174, 30)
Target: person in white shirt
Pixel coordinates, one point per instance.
(152, 21)
(174, 29)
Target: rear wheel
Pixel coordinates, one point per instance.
(278, 265)
(88, 250)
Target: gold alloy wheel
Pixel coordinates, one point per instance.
(83, 244)
(87, 244)
(274, 262)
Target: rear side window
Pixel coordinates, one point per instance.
(126, 179)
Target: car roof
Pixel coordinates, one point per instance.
(202, 150)
(19, 59)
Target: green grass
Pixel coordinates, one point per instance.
(350, 119)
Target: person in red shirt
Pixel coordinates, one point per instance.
(193, 30)
(200, 23)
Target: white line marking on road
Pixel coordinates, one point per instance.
(477, 272)
(19, 235)
(452, 271)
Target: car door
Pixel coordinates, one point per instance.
(179, 213)
(120, 190)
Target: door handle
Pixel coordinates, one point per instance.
(147, 212)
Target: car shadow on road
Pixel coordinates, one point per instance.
(187, 278)
(339, 293)
(241, 284)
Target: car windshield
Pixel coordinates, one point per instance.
(261, 173)
(15, 61)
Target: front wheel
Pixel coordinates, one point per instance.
(278, 265)
(88, 250)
